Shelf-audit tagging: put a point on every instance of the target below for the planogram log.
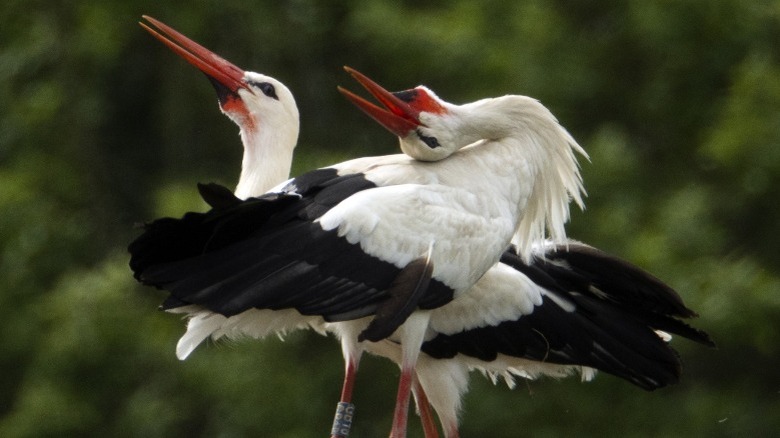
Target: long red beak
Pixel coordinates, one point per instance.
(399, 117)
(213, 65)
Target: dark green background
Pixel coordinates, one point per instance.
(678, 103)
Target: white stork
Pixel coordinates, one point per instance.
(570, 308)
(380, 236)
(267, 116)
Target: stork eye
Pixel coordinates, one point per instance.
(266, 88)
(431, 142)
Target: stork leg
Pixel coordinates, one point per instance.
(401, 413)
(424, 409)
(412, 333)
(345, 410)
(349, 381)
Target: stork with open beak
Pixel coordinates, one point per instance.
(571, 308)
(266, 113)
(267, 116)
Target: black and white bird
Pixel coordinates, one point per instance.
(569, 308)
(377, 236)
(267, 116)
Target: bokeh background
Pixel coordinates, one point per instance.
(101, 127)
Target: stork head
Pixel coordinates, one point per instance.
(521, 128)
(251, 100)
(425, 124)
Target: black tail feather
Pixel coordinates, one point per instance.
(600, 311)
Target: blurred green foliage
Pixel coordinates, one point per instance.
(678, 103)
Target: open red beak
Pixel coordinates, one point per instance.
(215, 67)
(398, 117)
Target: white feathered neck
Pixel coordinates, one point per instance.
(535, 137)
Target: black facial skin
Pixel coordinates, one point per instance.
(406, 95)
(431, 142)
(266, 88)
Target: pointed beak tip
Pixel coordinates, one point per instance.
(397, 116)
(214, 66)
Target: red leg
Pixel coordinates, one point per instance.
(345, 410)
(401, 414)
(349, 381)
(426, 416)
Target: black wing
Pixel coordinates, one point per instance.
(634, 291)
(268, 252)
(600, 312)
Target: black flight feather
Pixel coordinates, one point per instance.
(405, 292)
(607, 319)
(217, 196)
(270, 252)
